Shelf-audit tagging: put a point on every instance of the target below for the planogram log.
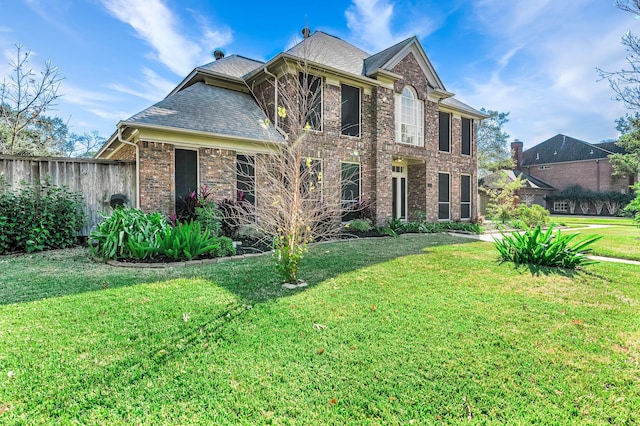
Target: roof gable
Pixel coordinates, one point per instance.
(390, 57)
(562, 148)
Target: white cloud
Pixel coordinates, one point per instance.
(157, 25)
(153, 88)
(370, 22)
(79, 96)
(110, 115)
(545, 55)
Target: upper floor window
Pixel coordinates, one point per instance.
(467, 125)
(409, 118)
(444, 131)
(350, 111)
(310, 101)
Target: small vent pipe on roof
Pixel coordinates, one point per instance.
(306, 32)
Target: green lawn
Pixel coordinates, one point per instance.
(411, 330)
(621, 236)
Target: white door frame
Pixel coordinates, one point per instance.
(399, 171)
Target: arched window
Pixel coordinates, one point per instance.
(409, 118)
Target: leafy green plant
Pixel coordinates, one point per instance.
(359, 225)
(38, 216)
(536, 247)
(633, 208)
(288, 253)
(128, 233)
(532, 216)
(187, 240)
(395, 224)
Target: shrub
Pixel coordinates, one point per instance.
(633, 208)
(39, 216)
(231, 217)
(188, 240)
(128, 233)
(532, 216)
(359, 225)
(545, 248)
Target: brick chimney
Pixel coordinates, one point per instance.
(517, 147)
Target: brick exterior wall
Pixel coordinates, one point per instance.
(593, 175)
(374, 150)
(156, 177)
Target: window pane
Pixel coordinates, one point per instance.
(350, 124)
(466, 136)
(311, 176)
(394, 196)
(465, 211)
(443, 211)
(443, 187)
(443, 136)
(408, 117)
(465, 189)
(350, 189)
(311, 100)
(186, 175)
(245, 178)
(403, 198)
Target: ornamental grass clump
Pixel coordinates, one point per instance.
(535, 247)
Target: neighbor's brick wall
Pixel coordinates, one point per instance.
(592, 175)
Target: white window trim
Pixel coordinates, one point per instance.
(359, 183)
(321, 101)
(255, 176)
(560, 203)
(448, 202)
(462, 136)
(321, 171)
(419, 119)
(470, 202)
(450, 132)
(185, 148)
(359, 111)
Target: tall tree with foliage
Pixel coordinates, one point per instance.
(628, 164)
(493, 151)
(626, 82)
(24, 97)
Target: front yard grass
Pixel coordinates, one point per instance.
(416, 329)
(621, 236)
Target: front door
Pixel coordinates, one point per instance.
(399, 189)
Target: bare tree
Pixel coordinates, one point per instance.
(296, 200)
(24, 97)
(626, 82)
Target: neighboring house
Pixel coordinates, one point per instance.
(559, 163)
(534, 190)
(387, 116)
(563, 161)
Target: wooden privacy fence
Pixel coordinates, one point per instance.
(96, 180)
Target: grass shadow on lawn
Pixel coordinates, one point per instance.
(56, 273)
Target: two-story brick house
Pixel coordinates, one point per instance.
(387, 117)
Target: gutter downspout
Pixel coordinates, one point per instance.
(137, 164)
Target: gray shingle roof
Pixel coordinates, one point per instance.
(233, 65)
(210, 109)
(454, 103)
(331, 51)
(495, 179)
(562, 148)
(376, 61)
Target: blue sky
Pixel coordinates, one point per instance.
(535, 59)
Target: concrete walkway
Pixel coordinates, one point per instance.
(497, 235)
